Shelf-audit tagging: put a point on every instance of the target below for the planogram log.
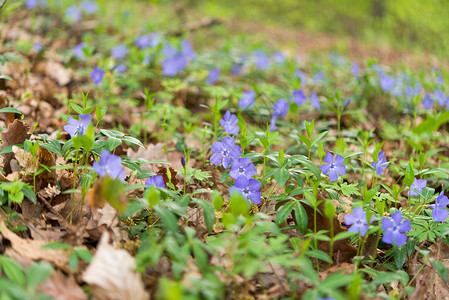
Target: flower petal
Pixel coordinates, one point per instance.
(254, 185)
(255, 197)
(226, 162)
(325, 168)
(216, 158)
(386, 224)
(340, 170)
(329, 158)
(217, 147)
(349, 219)
(86, 119)
(332, 175)
(439, 215)
(241, 182)
(399, 238)
(388, 237)
(405, 226)
(339, 160)
(228, 142)
(397, 217)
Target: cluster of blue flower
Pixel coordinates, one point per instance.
(227, 153)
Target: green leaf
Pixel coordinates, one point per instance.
(168, 219)
(409, 176)
(113, 143)
(73, 261)
(344, 235)
(284, 212)
(441, 269)
(12, 270)
(319, 137)
(217, 200)
(38, 273)
(281, 156)
(320, 255)
(400, 256)
(10, 110)
(282, 176)
(5, 77)
(305, 140)
(133, 141)
(57, 246)
(349, 189)
(336, 280)
(329, 210)
(84, 254)
(301, 217)
(208, 212)
(76, 108)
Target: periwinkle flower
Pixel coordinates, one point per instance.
(168, 50)
(109, 165)
(280, 108)
(427, 102)
(73, 13)
(439, 96)
(248, 99)
(183, 161)
(319, 77)
(121, 68)
(439, 212)
(278, 57)
(347, 103)
(386, 82)
(273, 126)
(224, 152)
(229, 123)
(89, 7)
(248, 188)
(242, 166)
(213, 76)
(173, 65)
(78, 51)
(394, 229)
(315, 100)
(119, 52)
(78, 128)
(380, 164)
(30, 4)
(37, 47)
(97, 75)
(236, 69)
(357, 220)
(302, 77)
(187, 50)
(418, 185)
(299, 97)
(355, 70)
(156, 181)
(261, 60)
(143, 41)
(334, 166)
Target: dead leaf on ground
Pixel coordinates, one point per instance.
(111, 274)
(16, 133)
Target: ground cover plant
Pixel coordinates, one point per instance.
(172, 158)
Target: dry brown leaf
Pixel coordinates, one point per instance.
(33, 248)
(111, 274)
(61, 287)
(16, 133)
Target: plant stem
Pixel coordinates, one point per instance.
(74, 184)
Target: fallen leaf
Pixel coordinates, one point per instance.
(16, 133)
(111, 275)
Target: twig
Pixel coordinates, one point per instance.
(57, 215)
(193, 27)
(3, 4)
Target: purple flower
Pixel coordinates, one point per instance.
(299, 97)
(394, 231)
(97, 75)
(37, 47)
(183, 161)
(278, 57)
(173, 65)
(386, 82)
(187, 50)
(30, 4)
(439, 213)
(248, 188)
(109, 165)
(439, 96)
(427, 102)
(229, 123)
(121, 68)
(357, 221)
(156, 180)
(315, 100)
(319, 77)
(273, 126)
(302, 77)
(248, 99)
(380, 164)
(418, 185)
(280, 108)
(236, 69)
(334, 166)
(89, 7)
(168, 50)
(225, 152)
(347, 103)
(148, 40)
(213, 76)
(77, 128)
(261, 60)
(73, 13)
(119, 52)
(78, 51)
(355, 70)
(242, 166)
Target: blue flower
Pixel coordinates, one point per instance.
(109, 165)
(439, 96)
(187, 50)
(318, 77)
(30, 4)
(229, 123)
(242, 166)
(225, 152)
(380, 164)
(299, 97)
(418, 185)
(248, 188)
(173, 65)
(439, 212)
(121, 68)
(89, 7)
(168, 50)
(78, 51)
(143, 41)
(427, 102)
(386, 82)
(394, 231)
(302, 77)
(156, 180)
(315, 100)
(248, 99)
(261, 60)
(357, 221)
(347, 103)
(119, 51)
(37, 47)
(73, 13)
(236, 69)
(213, 76)
(280, 108)
(278, 57)
(97, 75)
(273, 126)
(355, 70)
(77, 128)
(334, 166)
